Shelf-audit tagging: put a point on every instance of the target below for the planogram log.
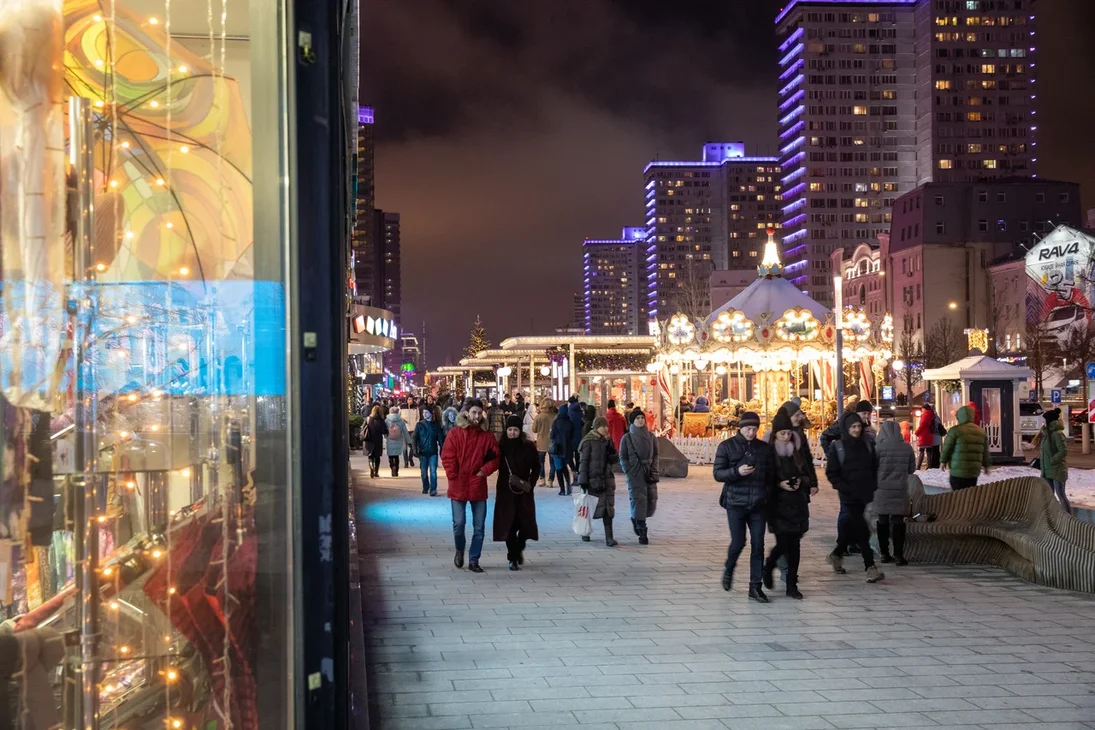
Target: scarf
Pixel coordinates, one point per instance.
(640, 440)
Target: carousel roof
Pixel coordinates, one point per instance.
(771, 295)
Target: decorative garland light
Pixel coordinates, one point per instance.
(680, 331)
(732, 327)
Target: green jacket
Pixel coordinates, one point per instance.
(966, 447)
(1054, 456)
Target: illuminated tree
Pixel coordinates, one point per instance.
(477, 340)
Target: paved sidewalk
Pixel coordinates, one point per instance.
(636, 638)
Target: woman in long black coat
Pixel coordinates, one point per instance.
(788, 501)
(373, 436)
(515, 514)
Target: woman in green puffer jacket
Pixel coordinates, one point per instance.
(1053, 459)
(965, 451)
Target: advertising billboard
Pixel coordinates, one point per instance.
(1061, 283)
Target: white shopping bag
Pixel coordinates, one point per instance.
(584, 506)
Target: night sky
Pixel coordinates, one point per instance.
(509, 130)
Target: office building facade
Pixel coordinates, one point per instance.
(704, 215)
(615, 298)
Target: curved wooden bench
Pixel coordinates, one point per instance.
(1015, 524)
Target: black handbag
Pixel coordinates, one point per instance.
(517, 485)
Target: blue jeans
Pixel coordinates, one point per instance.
(459, 520)
(741, 518)
(428, 466)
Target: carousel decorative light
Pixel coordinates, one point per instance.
(886, 330)
(731, 327)
(681, 331)
(798, 325)
(857, 328)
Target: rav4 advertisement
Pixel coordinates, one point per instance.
(1061, 269)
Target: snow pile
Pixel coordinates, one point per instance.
(1080, 486)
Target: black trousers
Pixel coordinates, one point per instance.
(929, 454)
(374, 460)
(515, 542)
(891, 525)
(855, 531)
(959, 483)
(393, 462)
(788, 545)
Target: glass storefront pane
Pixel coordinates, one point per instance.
(144, 511)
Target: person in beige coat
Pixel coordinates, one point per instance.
(541, 429)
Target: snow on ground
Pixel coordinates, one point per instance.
(1080, 485)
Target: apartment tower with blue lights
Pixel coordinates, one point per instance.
(877, 97)
(615, 292)
(703, 215)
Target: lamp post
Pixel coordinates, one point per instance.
(838, 291)
(898, 366)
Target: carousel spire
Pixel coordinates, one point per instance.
(770, 265)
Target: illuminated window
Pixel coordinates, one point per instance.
(973, 149)
(973, 116)
(988, 164)
(942, 85)
(859, 110)
(988, 68)
(946, 164)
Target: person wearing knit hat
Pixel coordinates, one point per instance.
(633, 414)
(746, 467)
(1053, 456)
(789, 501)
(514, 508)
(639, 460)
(852, 469)
(596, 457)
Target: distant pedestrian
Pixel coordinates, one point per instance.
(448, 419)
(496, 420)
(596, 477)
(929, 436)
(906, 432)
(896, 461)
(541, 430)
(965, 451)
(588, 417)
(852, 469)
(576, 412)
(429, 439)
(832, 435)
(702, 405)
(399, 439)
(617, 424)
(562, 433)
(410, 414)
(746, 468)
(788, 506)
(470, 455)
(639, 459)
(375, 428)
(1053, 457)
(515, 510)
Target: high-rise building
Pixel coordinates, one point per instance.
(846, 124)
(388, 274)
(701, 215)
(363, 242)
(975, 92)
(615, 298)
(878, 97)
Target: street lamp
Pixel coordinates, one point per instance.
(952, 306)
(898, 365)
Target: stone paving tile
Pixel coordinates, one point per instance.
(645, 638)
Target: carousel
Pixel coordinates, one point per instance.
(768, 344)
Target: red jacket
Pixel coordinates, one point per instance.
(925, 435)
(467, 451)
(617, 426)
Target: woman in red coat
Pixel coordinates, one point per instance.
(928, 437)
(470, 456)
(617, 424)
(514, 512)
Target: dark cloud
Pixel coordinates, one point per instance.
(509, 130)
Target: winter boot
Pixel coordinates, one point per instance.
(757, 594)
(874, 574)
(792, 589)
(727, 578)
(643, 538)
(883, 527)
(769, 573)
(837, 562)
(586, 538)
(635, 525)
(608, 532)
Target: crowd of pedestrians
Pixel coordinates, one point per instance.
(766, 482)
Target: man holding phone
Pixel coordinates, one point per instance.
(746, 467)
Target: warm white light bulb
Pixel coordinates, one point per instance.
(153, 103)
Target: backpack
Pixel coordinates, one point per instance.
(394, 431)
(839, 446)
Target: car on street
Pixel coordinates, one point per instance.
(1030, 419)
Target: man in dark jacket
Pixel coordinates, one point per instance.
(428, 440)
(746, 467)
(833, 434)
(852, 469)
